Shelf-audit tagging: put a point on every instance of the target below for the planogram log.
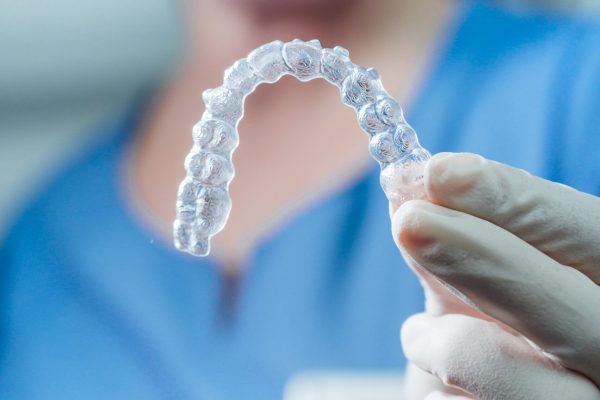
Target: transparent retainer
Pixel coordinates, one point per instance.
(203, 201)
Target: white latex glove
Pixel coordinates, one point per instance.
(510, 264)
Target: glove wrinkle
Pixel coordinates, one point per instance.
(559, 221)
(506, 278)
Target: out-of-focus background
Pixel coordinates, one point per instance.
(66, 64)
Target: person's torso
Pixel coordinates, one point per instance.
(96, 306)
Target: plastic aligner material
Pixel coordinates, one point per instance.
(203, 201)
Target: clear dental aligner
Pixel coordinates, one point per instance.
(203, 201)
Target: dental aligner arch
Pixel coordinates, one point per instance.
(203, 201)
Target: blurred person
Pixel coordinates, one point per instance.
(98, 304)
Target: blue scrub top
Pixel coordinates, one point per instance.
(93, 308)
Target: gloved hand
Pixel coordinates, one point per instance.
(510, 264)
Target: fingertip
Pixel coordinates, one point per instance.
(441, 155)
(409, 225)
(448, 175)
(414, 327)
(418, 224)
(414, 336)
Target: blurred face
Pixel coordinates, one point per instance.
(282, 7)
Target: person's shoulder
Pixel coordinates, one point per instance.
(521, 86)
(500, 33)
(549, 64)
(544, 56)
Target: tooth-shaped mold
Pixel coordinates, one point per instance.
(303, 59)
(241, 77)
(335, 64)
(383, 149)
(182, 231)
(388, 111)
(223, 103)
(211, 169)
(369, 120)
(203, 201)
(361, 87)
(405, 137)
(215, 135)
(214, 205)
(267, 61)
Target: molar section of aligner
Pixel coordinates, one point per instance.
(388, 111)
(401, 178)
(186, 200)
(202, 211)
(215, 135)
(267, 61)
(303, 58)
(183, 226)
(224, 103)
(335, 64)
(208, 168)
(369, 120)
(405, 137)
(360, 87)
(203, 202)
(212, 210)
(182, 232)
(199, 244)
(383, 149)
(383, 114)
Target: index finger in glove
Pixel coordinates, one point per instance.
(557, 220)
